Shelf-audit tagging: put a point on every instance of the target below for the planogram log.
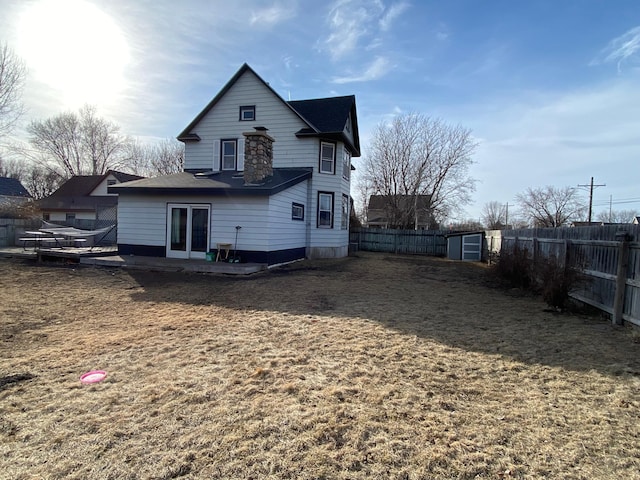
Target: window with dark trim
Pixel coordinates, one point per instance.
(111, 181)
(297, 211)
(346, 164)
(70, 217)
(325, 210)
(327, 157)
(228, 154)
(247, 113)
(344, 222)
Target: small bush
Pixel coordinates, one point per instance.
(514, 266)
(557, 280)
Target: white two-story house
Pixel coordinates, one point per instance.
(267, 176)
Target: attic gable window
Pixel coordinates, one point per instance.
(327, 157)
(247, 113)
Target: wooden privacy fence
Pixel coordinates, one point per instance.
(419, 242)
(612, 267)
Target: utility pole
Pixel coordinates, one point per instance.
(591, 186)
(506, 219)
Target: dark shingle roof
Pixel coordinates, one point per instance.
(11, 187)
(74, 194)
(328, 115)
(221, 183)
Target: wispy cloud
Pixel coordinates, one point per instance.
(272, 15)
(621, 49)
(377, 69)
(393, 12)
(356, 25)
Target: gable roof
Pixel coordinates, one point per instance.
(75, 193)
(80, 185)
(329, 116)
(11, 187)
(323, 116)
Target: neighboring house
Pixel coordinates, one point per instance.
(636, 220)
(84, 197)
(267, 176)
(12, 192)
(398, 211)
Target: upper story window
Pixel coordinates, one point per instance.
(346, 164)
(247, 113)
(111, 181)
(229, 154)
(327, 157)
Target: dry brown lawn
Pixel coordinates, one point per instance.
(371, 367)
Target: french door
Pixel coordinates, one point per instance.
(187, 230)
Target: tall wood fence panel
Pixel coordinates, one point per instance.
(608, 256)
(417, 242)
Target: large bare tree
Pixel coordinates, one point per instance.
(12, 77)
(494, 215)
(551, 206)
(151, 159)
(419, 157)
(78, 143)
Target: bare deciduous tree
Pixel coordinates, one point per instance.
(619, 216)
(78, 143)
(12, 76)
(163, 158)
(11, 168)
(494, 215)
(551, 206)
(418, 156)
(41, 181)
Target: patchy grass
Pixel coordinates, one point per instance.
(372, 367)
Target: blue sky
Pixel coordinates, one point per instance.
(549, 88)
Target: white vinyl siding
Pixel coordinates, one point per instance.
(289, 151)
(284, 232)
(222, 122)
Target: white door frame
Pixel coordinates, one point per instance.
(187, 252)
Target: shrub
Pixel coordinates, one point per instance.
(514, 266)
(556, 280)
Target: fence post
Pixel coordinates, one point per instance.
(621, 278)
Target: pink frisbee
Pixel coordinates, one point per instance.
(94, 376)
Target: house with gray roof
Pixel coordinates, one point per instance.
(84, 197)
(12, 191)
(269, 177)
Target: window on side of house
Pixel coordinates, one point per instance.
(344, 222)
(297, 211)
(346, 164)
(247, 113)
(46, 217)
(70, 217)
(325, 210)
(228, 154)
(111, 181)
(327, 157)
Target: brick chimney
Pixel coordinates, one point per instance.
(258, 156)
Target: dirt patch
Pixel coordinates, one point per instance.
(371, 367)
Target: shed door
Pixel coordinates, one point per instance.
(472, 247)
